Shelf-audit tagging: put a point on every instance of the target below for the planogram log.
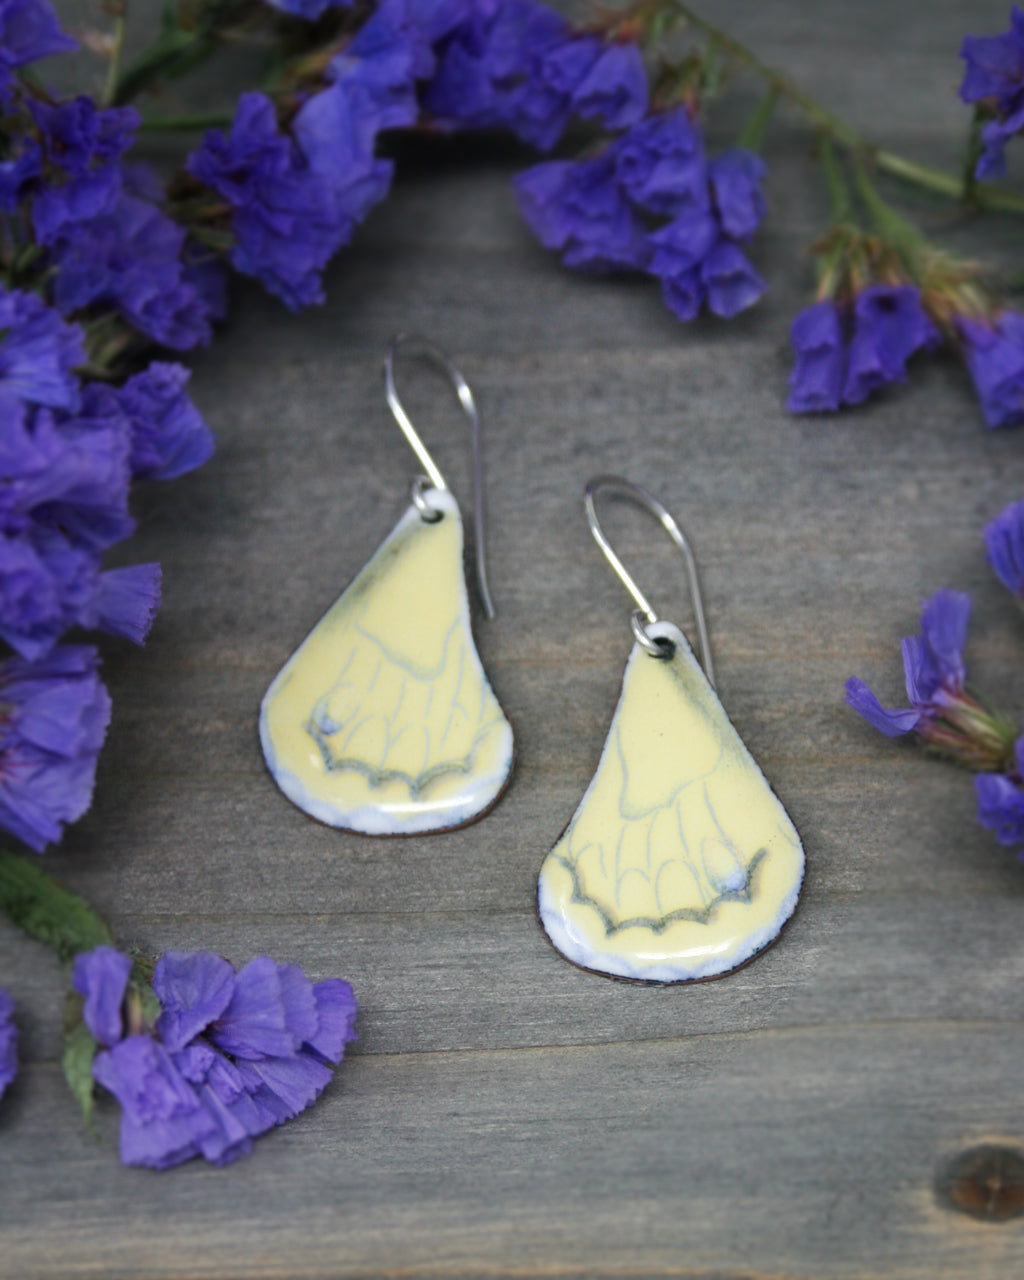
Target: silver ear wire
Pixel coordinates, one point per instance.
(644, 615)
(418, 346)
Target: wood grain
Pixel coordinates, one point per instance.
(502, 1113)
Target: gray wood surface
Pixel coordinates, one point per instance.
(504, 1114)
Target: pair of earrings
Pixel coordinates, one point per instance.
(680, 863)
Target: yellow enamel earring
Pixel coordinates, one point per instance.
(680, 862)
(383, 721)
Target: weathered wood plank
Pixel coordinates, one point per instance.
(503, 1113)
(618, 1160)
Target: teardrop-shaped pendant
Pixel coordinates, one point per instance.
(680, 862)
(383, 720)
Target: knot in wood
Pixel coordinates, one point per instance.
(985, 1182)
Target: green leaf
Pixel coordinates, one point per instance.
(76, 1063)
(46, 911)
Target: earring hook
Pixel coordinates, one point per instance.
(626, 488)
(416, 345)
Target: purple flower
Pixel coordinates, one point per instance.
(529, 103)
(520, 65)
(995, 71)
(67, 471)
(502, 65)
(82, 146)
(678, 252)
(53, 718)
(17, 172)
(337, 135)
(8, 1041)
(995, 64)
(933, 666)
(382, 65)
(101, 977)
(163, 1120)
(124, 602)
(1004, 543)
(194, 989)
(1000, 799)
(168, 435)
(682, 244)
(38, 351)
(286, 219)
(29, 30)
(130, 258)
(47, 584)
(945, 717)
(732, 283)
(660, 164)
(271, 1013)
(63, 499)
(579, 208)
(566, 62)
(736, 177)
(237, 1054)
(995, 359)
(817, 338)
(77, 136)
(615, 87)
(889, 326)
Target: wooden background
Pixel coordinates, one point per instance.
(504, 1114)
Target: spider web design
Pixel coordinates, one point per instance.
(684, 839)
(381, 718)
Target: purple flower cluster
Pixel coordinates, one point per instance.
(520, 66)
(68, 452)
(283, 217)
(941, 712)
(994, 352)
(92, 230)
(8, 1042)
(842, 359)
(297, 196)
(233, 1054)
(653, 202)
(110, 245)
(995, 75)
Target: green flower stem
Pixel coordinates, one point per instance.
(752, 134)
(186, 123)
(931, 179)
(972, 152)
(890, 225)
(835, 183)
(114, 70)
